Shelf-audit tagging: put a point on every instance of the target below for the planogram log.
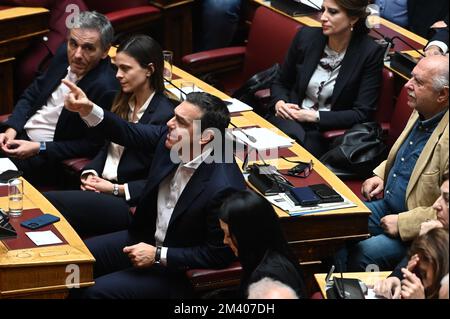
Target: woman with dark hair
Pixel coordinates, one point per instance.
(331, 76)
(117, 173)
(429, 252)
(253, 232)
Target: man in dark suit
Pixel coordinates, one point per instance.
(438, 44)
(40, 132)
(176, 225)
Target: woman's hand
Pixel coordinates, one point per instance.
(289, 111)
(389, 288)
(98, 184)
(412, 287)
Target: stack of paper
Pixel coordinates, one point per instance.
(237, 106)
(285, 203)
(264, 139)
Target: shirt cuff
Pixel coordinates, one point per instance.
(163, 258)
(439, 44)
(89, 171)
(127, 192)
(95, 117)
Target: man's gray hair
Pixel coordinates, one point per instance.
(441, 80)
(268, 288)
(96, 21)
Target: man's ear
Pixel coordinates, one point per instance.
(207, 136)
(105, 54)
(443, 95)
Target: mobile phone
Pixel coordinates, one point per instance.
(40, 221)
(326, 193)
(305, 196)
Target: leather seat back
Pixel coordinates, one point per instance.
(270, 37)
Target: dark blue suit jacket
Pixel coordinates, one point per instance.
(194, 237)
(71, 133)
(135, 163)
(423, 13)
(357, 87)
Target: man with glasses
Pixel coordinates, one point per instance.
(412, 173)
(40, 132)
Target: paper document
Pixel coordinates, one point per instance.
(316, 4)
(41, 238)
(265, 138)
(282, 201)
(6, 164)
(238, 106)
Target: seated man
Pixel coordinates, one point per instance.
(40, 132)
(438, 44)
(412, 173)
(391, 286)
(175, 226)
(218, 23)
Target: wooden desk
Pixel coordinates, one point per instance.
(387, 28)
(41, 272)
(18, 27)
(369, 278)
(314, 236)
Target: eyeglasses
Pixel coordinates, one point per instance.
(302, 169)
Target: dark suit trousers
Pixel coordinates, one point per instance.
(91, 213)
(306, 134)
(116, 278)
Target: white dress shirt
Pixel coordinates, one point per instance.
(170, 190)
(115, 151)
(41, 126)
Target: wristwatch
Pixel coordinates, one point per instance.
(115, 190)
(42, 147)
(158, 255)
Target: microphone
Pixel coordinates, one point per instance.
(391, 44)
(250, 137)
(181, 91)
(402, 62)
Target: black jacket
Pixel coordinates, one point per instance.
(71, 133)
(357, 87)
(135, 163)
(194, 237)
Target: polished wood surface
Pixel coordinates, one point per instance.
(386, 27)
(18, 27)
(369, 278)
(313, 236)
(41, 272)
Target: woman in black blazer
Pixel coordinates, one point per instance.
(116, 173)
(331, 76)
(253, 232)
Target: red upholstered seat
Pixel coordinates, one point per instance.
(270, 37)
(399, 118)
(210, 279)
(385, 107)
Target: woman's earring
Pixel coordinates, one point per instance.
(351, 27)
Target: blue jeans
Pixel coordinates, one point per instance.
(219, 23)
(379, 251)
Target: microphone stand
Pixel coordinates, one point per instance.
(181, 91)
(390, 43)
